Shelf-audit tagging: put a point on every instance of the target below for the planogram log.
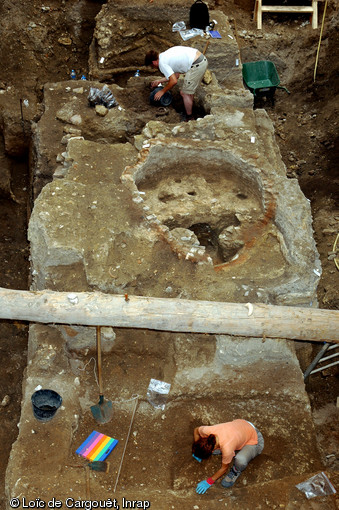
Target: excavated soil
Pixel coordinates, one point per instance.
(306, 124)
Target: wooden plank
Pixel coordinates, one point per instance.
(315, 14)
(297, 9)
(259, 15)
(166, 314)
(255, 12)
(287, 8)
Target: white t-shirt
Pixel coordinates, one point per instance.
(178, 59)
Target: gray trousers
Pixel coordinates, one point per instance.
(248, 452)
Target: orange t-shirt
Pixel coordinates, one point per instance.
(233, 436)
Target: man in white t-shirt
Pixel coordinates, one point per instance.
(173, 62)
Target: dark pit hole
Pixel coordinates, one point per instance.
(192, 193)
(122, 79)
(178, 105)
(208, 237)
(140, 95)
(241, 195)
(206, 234)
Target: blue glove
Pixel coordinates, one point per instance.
(203, 487)
(196, 458)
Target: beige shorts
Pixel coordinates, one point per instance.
(194, 76)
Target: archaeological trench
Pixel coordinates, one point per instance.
(128, 202)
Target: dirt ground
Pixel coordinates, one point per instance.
(306, 124)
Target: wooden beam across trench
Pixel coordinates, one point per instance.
(169, 314)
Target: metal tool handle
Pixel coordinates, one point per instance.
(88, 483)
(123, 453)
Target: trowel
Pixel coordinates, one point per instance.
(103, 411)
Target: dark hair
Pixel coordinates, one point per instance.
(204, 447)
(150, 57)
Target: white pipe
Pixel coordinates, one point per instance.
(329, 357)
(324, 368)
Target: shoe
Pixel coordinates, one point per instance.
(182, 117)
(216, 452)
(189, 117)
(185, 118)
(231, 478)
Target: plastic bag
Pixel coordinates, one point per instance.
(108, 99)
(94, 96)
(317, 485)
(157, 393)
(193, 32)
(179, 25)
(104, 97)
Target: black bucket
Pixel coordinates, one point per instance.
(165, 100)
(45, 404)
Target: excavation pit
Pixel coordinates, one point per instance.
(192, 364)
(123, 191)
(175, 177)
(233, 202)
(215, 206)
(114, 222)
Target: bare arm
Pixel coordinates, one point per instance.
(155, 83)
(172, 80)
(196, 434)
(220, 472)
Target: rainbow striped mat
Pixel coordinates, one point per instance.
(97, 447)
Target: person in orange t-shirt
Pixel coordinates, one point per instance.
(238, 439)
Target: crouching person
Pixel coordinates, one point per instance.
(239, 440)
